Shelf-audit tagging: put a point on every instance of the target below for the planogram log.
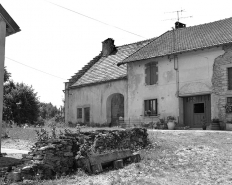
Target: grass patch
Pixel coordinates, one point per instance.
(180, 157)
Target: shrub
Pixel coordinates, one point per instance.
(71, 124)
(40, 122)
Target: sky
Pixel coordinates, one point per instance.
(59, 37)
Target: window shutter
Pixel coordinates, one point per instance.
(147, 75)
(146, 102)
(230, 78)
(154, 74)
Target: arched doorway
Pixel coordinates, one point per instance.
(115, 108)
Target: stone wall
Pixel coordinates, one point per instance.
(59, 156)
(220, 81)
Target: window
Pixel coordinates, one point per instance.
(199, 108)
(151, 72)
(229, 105)
(229, 78)
(229, 99)
(79, 113)
(150, 107)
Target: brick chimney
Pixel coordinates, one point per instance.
(108, 47)
(179, 25)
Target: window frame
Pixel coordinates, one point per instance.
(79, 116)
(228, 99)
(229, 77)
(149, 103)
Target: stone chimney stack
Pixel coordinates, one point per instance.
(108, 47)
(179, 25)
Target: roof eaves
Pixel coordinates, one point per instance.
(9, 21)
(99, 82)
(183, 51)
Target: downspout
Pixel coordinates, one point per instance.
(176, 67)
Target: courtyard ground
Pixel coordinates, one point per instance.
(177, 157)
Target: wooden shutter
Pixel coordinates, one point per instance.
(154, 75)
(148, 74)
(230, 78)
(146, 106)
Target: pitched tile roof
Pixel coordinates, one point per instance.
(186, 39)
(102, 68)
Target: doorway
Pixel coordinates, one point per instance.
(86, 114)
(195, 109)
(117, 109)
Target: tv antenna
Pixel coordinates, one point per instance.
(178, 12)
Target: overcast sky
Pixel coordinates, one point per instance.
(60, 41)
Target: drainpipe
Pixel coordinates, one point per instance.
(176, 67)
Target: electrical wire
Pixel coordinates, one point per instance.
(34, 68)
(95, 19)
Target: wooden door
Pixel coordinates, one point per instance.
(117, 109)
(195, 108)
(87, 114)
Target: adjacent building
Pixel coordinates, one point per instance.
(99, 92)
(7, 27)
(185, 72)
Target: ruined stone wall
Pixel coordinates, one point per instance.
(59, 156)
(220, 82)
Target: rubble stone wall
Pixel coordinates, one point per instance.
(55, 157)
(220, 81)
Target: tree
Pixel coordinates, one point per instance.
(47, 110)
(7, 75)
(21, 103)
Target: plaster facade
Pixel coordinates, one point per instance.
(200, 72)
(190, 75)
(97, 97)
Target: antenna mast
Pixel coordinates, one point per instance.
(178, 15)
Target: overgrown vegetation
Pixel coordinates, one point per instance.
(180, 157)
(21, 104)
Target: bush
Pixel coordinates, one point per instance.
(71, 124)
(59, 118)
(40, 122)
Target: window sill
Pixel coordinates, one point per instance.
(152, 116)
(151, 84)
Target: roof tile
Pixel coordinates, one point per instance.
(102, 69)
(186, 39)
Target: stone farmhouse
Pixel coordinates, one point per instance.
(185, 72)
